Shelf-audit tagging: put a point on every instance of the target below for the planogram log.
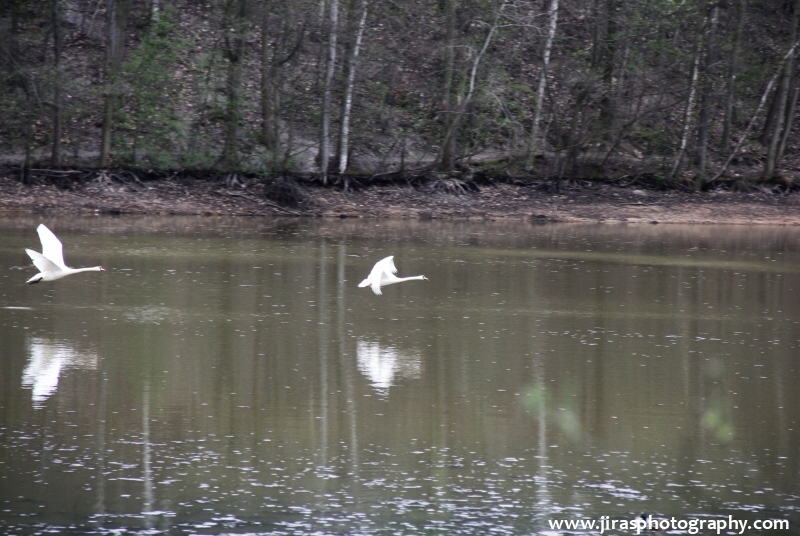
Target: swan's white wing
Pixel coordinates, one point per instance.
(51, 246)
(383, 268)
(375, 275)
(388, 264)
(41, 262)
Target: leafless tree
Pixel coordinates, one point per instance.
(325, 119)
(548, 45)
(116, 15)
(356, 35)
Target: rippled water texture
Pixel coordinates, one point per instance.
(229, 376)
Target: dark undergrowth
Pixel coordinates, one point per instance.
(287, 189)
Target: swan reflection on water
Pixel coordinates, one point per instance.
(46, 360)
(383, 365)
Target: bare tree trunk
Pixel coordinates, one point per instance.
(607, 102)
(761, 102)
(782, 96)
(448, 151)
(283, 49)
(705, 97)
(790, 113)
(267, 83)
(634, 117)
(570, 143)
(687, 120)
(347, 101)
(287, 154)
(105, 135)
(769, 120)
(234, 48)
(597, 34)
(55, 157)
(537, 114)
(10, 58)
(324, 137)
(26, 166)
(623, 75)
(574, 140)
(732, 67)
(462, 107)
(116, 11)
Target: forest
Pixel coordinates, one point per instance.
(685, 91)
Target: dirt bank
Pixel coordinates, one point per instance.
(569, 202)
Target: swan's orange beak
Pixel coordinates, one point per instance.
(424, 278)
(102, 269)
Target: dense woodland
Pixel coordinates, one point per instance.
(689, 90)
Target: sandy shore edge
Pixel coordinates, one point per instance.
(597, 203)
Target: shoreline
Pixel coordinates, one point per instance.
(575, 202)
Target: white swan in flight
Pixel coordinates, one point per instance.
(382, 274)
(50, 261)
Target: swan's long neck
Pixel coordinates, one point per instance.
(399, 279)
(79, 270)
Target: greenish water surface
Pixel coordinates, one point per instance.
(228, 376)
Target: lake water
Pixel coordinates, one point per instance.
(228, 376)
